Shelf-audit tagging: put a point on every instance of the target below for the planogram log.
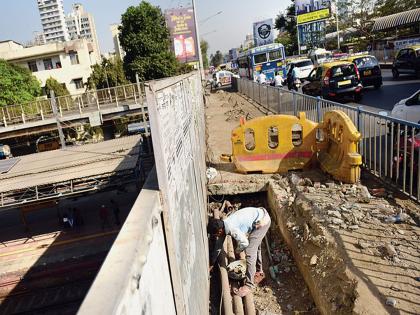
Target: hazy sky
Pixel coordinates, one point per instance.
(20, 18)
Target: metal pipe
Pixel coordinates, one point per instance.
(238, 307)
(248, 300)
(224, 279)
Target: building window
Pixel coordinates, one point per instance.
(32, 66)
(48, 65)
(78, 83)
(74, 58)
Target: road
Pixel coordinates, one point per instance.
(390, 93)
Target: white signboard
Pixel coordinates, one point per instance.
(398, 44)
(263, 32)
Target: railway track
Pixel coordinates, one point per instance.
(58, 289)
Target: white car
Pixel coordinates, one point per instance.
(305, 67)
(408, 108)
(223, 78)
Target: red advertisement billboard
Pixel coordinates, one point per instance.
(181, 25)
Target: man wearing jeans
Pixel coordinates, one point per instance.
(248, 227)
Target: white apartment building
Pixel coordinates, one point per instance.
(119, 52)
(67, 62)
(81, 24)
(53, 20)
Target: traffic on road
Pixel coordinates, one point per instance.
(354, 79)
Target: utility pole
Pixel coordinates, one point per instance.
(200, 57)
(55, 112)
(338, 30)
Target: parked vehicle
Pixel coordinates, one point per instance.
(269, 59)
(222, 78)
(305, 67)
(407, 61)
(319, 56)
(46, 143)
(408, 108)
(369, 70)
(334, 80)
(5, 152)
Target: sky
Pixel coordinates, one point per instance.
(20, 18)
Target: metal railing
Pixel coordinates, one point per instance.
(72, 104)
(386, 145)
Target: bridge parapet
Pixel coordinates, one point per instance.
(70, 105)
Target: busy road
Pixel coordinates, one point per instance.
(390, 93)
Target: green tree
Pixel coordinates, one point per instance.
(388, 7)
(17, 84)
(53, 85)
(145, 40)
(217, 59)
(108, 73)
(204, 46)
(286, 24)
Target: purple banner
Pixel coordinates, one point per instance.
(181, 26)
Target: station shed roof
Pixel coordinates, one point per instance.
(397, 20)
(74, 163)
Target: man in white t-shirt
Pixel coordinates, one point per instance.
(278, 79)
(262, 78)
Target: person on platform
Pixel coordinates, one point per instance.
(247, 226)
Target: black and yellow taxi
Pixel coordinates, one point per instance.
(369, 70)
(334, 80)
(407, 61)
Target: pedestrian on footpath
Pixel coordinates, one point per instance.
(247, 226)
(104, 216)
(116, 211)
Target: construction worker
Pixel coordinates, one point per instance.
(248, 227)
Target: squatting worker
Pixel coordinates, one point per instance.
(248, 227)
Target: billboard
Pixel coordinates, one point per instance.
(263, 32)
(312, 34)
(181, 25)
(308, 11)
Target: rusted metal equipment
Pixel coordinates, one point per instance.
(238, 307)
(248, 300)
(280, 143)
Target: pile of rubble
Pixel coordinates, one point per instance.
(349, 240)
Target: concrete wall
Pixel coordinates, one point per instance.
(176, 113)
(159, 261)
(134, 278)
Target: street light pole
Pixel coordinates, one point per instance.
(200, 57)
(338, 30)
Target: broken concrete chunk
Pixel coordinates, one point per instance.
(391, 302)
(334, 214)
(363, 244)
(314, 260)
(390, 250)
(336, 221)
(364, 194)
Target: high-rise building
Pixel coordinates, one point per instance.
(53, 20)
(80, 24)
(119, 52)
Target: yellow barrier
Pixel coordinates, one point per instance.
(340, 157)
(280, 143)
(272, 144)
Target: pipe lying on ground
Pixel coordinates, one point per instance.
(248, 300)
(224, 279)
(238, 306)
